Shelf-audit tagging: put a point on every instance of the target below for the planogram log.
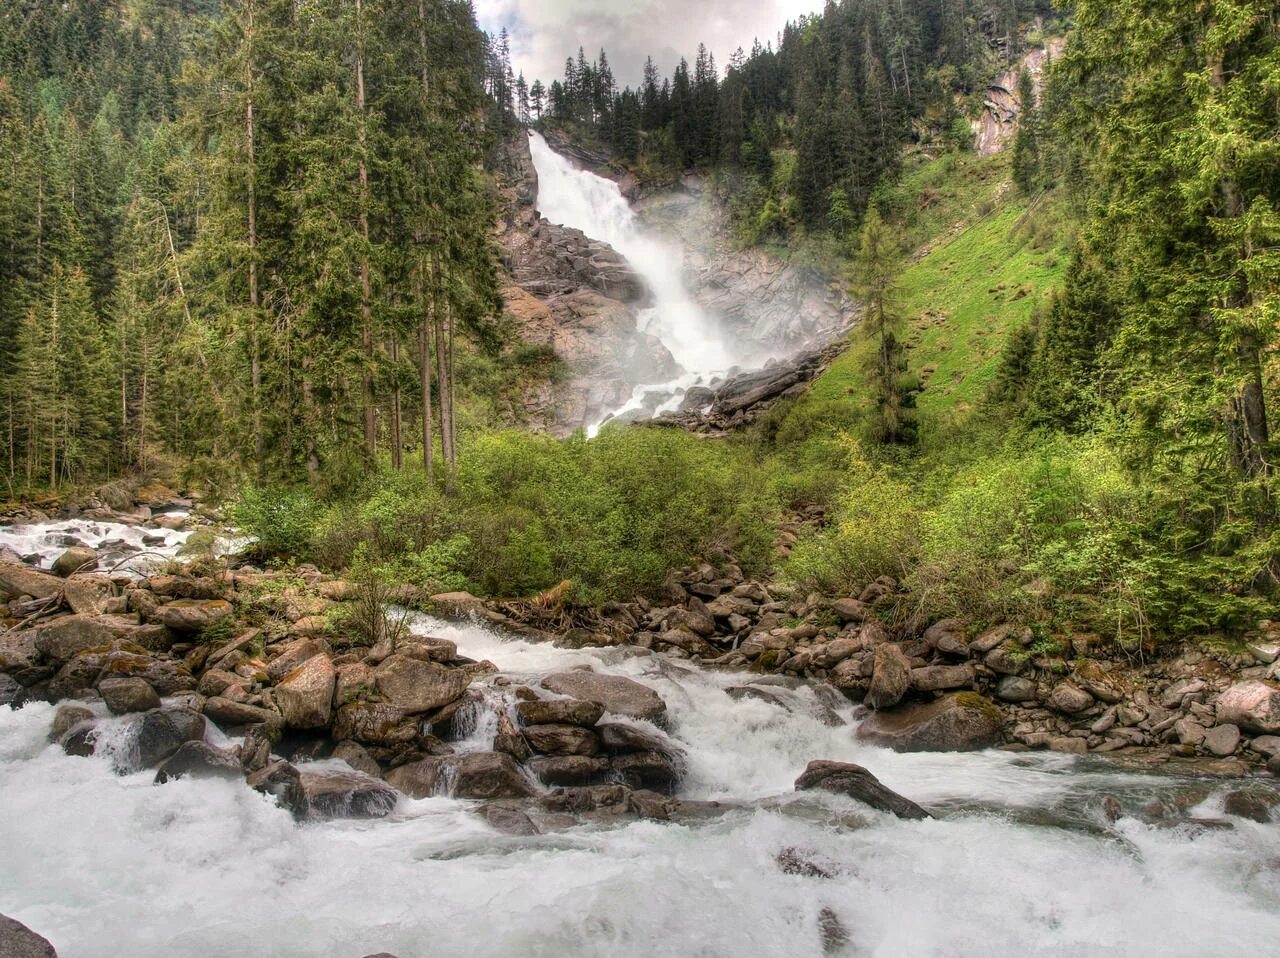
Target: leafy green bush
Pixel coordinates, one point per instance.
(281, 520)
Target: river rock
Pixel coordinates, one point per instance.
(330, 793)
(157, 734)
(618, 695)
(66, 717)
(568, 769)
(128, 694)
(75, 559)
(937, 678)
(562, 740)
(617, 737)
(849, 610)
(856, 782)
(1015, 689)
(199, 760)
(193, 615)
(559, 711)
(12, 693)
(1253, 706)
(486, 775)
(164, 675)
(19, 655)
(1007, 658)
(228, 713)
(1095, 680)
(1069, 699)
(508, 821)
(358, 757)
(652, 770)
(417, 686)
(62, 639)
(19, 941)
(89, 594)
(1253, 805)
(960, 722)
(17, 579)
(290, 655)
(890, 677)
(1221, 740)
(305, 697)
(375, 723)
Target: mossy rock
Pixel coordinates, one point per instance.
(961, 722)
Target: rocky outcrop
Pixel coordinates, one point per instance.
(994, 129)
(617, 694)
(576, 298)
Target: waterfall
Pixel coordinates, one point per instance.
(582, 200)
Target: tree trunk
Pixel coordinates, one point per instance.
(424, 377)
(366, 309)
(397, 444)
(259, 446)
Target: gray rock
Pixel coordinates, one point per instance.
(375, 723)
(473, 775)
(1222, 740)
(19, 941)
(17, 579)
(156, 735)
(327, 794)
(128, 694)
(559, 712)
(1069, 699)
(199, 760)
(856, 782)
(569, 769)
(618, 695)
(194, 615)
(63, 639)
(936, 678)
(650, 770)
(358, 757)
(849, 610)
(12, 693)
(1253, 705)
(562, 740)
(890, 677)
(1015, 689)
(75, 559)
(960, 722)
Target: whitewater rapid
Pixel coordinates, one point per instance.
(1018, 863)
(580, 199)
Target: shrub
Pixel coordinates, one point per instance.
(282, 521)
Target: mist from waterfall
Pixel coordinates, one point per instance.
(580, 199)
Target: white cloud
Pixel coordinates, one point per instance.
(545, 32)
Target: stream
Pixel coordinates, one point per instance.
(1019, 861)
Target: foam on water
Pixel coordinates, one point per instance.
(582, 200)
(44, 542)
(108, 865)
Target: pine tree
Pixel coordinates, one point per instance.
(874, 273)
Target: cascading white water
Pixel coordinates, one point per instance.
(580, 199)
(1019, 861)
(128, 548)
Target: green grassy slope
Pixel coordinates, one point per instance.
(981, 262)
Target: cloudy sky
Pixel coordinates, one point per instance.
(544, 32)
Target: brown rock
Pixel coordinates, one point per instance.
(935, 678)
(17, 579)
(305, 697)
(75, 559)
(559, 711)
(62, 639)
(416, 686)
(194, 615)
(1069, 699)
(19, 941)
(1253, 706)
(856, 782)
(618, 695)
(562, 740)
(890, 677)
(375, 723)
(123, 695)
(960, 722)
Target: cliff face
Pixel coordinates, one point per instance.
(576, 297)
(1001, 108)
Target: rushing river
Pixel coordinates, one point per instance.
(1019, 861)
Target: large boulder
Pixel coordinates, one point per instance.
(1254, 706)
(63, 639)
(19, 655)
(473, 775)
(199, 760)
(559, 712)
(75, 559)
(653, 770)
(962, 722)
(569, 769)
(332, 793)
(194, 615)
(618, 695)
(19, 941)
(89, 594)
(156, 735)
(375, 723)
(1069, 699)
(856, 782)
(562, 740)
(937, 678)
(890, 677)
(305, 697)
(17, 579)
(125, 694)
(417, 686)
(12, 693)
(225, 713)
(290, 655)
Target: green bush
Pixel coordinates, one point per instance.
(282, 521)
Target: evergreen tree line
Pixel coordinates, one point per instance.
(244, 233)
(1160, 128)
(842, 89)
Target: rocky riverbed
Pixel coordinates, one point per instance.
(199, 758)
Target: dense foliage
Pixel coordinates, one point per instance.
(239, 233)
